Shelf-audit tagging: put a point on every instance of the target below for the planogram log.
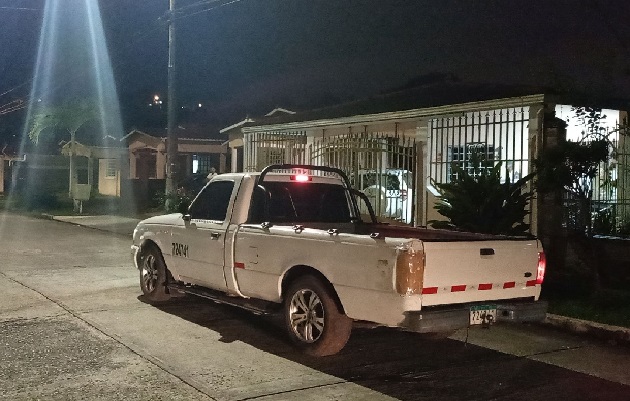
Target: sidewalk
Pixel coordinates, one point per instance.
(613, 334)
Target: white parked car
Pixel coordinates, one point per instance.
(389, 192)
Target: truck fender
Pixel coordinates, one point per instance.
(300, 270)
(144, 243)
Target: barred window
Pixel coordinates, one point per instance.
(111, 168)
(470, 157)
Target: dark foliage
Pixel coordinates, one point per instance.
(478, 201)
(176, 202)
(570, 166)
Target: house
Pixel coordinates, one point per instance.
(147, 155)
(134, 166)
(109, 156)
(423, 131)
(7, 161)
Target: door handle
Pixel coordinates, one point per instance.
(215, 235)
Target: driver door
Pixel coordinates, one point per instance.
(198, 246)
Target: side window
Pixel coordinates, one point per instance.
(212, 203)
(257, 207)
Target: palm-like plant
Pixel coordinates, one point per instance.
(70, 117)
(478, 201)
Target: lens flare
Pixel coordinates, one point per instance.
(72, 67)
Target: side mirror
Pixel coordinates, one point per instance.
(187, 217)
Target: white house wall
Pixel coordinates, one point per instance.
(108, 185)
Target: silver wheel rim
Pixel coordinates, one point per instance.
(149, 273)
(306, 315)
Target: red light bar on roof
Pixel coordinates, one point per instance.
(301, 178)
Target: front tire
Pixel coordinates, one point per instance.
(313, 319)
(153, 275)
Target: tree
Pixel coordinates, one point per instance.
(477, 201)
(70, 117)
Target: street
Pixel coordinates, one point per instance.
(74, 326)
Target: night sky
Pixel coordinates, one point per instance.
(252, 55)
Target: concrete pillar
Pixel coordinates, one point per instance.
(422, 171)
(222, 162)
(535, 143)
(548, 208)
(234, 166)
(90, 169)
(133, 173)
(160, 163)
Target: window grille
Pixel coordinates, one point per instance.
(111, 168)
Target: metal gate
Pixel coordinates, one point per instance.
(264, 148)
(380, 165)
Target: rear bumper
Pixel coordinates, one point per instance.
(458, 317)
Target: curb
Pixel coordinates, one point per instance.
(606, 332)
(107, 229)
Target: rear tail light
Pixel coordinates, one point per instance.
(409, 271)
(403, 194)
(301, 178)
(542, 266)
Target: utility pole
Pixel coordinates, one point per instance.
(171, 116)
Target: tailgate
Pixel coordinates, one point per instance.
(473, 271)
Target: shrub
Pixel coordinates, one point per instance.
(478, 201)
(177, 201)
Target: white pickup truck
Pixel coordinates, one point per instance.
(293, 241)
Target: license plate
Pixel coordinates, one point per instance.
(480, 314)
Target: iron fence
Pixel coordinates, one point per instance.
(609, 205)
(380, 165)
(498, 136)
(492, 137)
(264, 148)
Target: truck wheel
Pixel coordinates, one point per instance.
(153, 275)
(313, 319)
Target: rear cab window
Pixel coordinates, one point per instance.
(294, 202)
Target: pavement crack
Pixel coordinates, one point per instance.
(26, 319)
(553, 351)
(292, 391)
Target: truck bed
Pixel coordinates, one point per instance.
(430, 234)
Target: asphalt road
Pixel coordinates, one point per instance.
(73, 327)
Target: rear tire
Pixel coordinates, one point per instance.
(153, 275)
(313, 319)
